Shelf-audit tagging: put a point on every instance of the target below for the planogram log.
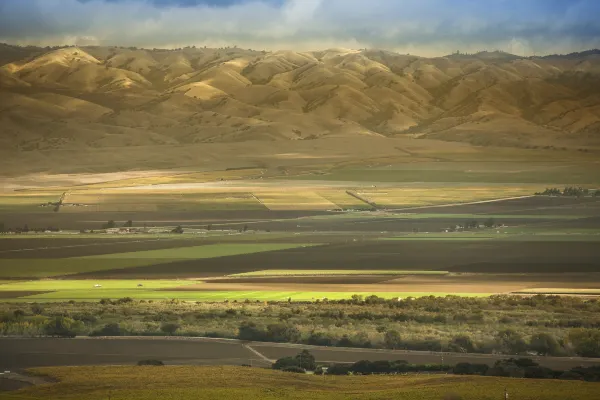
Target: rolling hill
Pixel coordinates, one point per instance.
(109, 97)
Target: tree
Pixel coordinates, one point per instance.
(245, 228)
(511, 342)
(178, 229)
(285, 362)
(283, 333)
(545, 344)
(209, 227)
(112, 329)
(128, 224)
(2, 227)
(169, 328)
(60, 326)
(462, 344)
(109, 225)
(249, 331)
(392, 339)
(306, 360)
(489, 223)
(585, 342)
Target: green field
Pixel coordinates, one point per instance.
(189, 382)
(40, 268)
(85, 290)
(332, 272)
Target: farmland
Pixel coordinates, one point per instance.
(298, 251)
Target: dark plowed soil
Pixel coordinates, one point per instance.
(7, 385)
(13, 294)
(488, 256)
(543, 205)
(48, 248)
(94, 219)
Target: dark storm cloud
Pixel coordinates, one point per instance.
(418, 26)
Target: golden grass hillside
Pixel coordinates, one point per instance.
(183, 382)
(221, 95)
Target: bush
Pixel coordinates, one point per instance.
(249, 331)
(338, 369)
(392, 339)
(295, 369)
(320, 339)
(571, 375)
(285, 362)
(169, 328)
(545, 344)
(462, 344)
(108, 330)
(538, 372)
(465, 368)
(37, 309)
(306, 360)
(585, 342)
(282, 333)
(303, 360)
(156, 363)
(61, 327)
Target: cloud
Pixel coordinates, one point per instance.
(424, 27)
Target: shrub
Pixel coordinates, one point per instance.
(108, 330)
(306, 360)
(285, 362)
(465, 368)
(338, 369)
(169, 328)
(545, 344)
(294, 369)
(61, 327)
(392, 339)
(585, 342)
(37, 309)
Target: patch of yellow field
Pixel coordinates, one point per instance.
(423, 196)
(294, 200)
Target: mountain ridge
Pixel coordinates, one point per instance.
(90, 97)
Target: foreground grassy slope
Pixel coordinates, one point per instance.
(148, 383)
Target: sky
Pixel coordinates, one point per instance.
(420, 27)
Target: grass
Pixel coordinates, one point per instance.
(317, 272)
(424, 196)
(218, 296)
(40, 268)
(514, 172)
(481, 217)
(199, 382)
(594, 292)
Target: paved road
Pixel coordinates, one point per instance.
(19, 353)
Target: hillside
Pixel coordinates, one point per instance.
(104, 97)
(197, 382)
